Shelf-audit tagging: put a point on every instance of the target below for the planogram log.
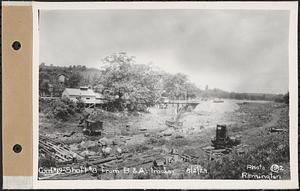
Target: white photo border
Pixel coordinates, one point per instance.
(175, 184)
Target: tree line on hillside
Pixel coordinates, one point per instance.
(218, 93)
(130, 86)
(49, 80)
(126, 85)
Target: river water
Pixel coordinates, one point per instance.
(207, 114)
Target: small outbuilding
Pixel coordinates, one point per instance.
(61, 78)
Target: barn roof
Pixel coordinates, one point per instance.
(80, 92)
(61, 75)
(99, 96)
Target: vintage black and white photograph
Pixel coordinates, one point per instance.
(163, 94)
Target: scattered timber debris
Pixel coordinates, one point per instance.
(178, 136)
(174, 124)
(276, 130)
(70, 134)
(159, 163)
(57, 151)
(142, 129)
(167, 133)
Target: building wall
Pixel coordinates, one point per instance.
(73, 98)
(61, 78)
(86, 99)
(65, 94)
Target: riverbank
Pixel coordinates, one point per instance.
(141, 133)
(267, 152)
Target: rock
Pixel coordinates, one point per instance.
(167, 133)
(106, 151)
(87, 144)
(281, 147)
(142, 129)
(82, 144)
(105, 141)
(74, 147)
(91, 144)
(119, 150)
(114, 142)
(87, 153)
(178, 136)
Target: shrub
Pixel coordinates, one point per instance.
(157, 141)
(46, 162)
(61, 109)
(80, 105)
(282, 98)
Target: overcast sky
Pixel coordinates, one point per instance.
(234, 50)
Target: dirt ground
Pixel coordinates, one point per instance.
(147, 132)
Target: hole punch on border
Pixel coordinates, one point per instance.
(16, 45)
(17, 148)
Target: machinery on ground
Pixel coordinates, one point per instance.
(222, 140)
(222, 144)
(91, 127)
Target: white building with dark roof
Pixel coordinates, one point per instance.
(86, 94)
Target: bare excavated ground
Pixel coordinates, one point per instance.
(148, 134)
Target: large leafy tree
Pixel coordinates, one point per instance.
(178, 86)
(126, 84)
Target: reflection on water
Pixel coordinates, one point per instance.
(211, 107)
(206, 115)
(228, 105)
